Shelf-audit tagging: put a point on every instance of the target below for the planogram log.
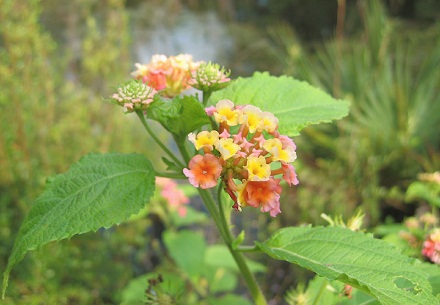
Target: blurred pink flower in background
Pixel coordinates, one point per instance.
(431, 247)
(174, 196)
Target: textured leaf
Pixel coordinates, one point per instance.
(433, 273)
(99, 191)
(179, 116)
(295, 103)
(354, 258)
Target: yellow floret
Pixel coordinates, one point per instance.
(226, 147)
(257, 169)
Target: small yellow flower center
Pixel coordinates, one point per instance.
(257, 169)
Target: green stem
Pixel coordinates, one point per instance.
(213, 211)
(206, 96)
(224, 222)
(170, 175)
(182, 148)
(249, 278)
(247, 249)
(320, 292)
(240, 260)
(157, 140)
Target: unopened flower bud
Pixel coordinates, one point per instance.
(209, 77)
(134, 95)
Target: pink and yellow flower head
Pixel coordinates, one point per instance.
(247, 154)
(169, 75)
(261, 194)
(204, 171)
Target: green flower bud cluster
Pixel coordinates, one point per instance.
(134, 95)
(210, 77)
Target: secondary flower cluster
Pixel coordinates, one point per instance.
(209, 77)
(169, 75)
(134, 95)
(247, 153)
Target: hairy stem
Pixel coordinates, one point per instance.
(170, 175)
(158, 141)
(240, 260)
(247, 249)
(206, 96)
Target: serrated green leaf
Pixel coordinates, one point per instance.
(179, 116)
(164, 110)
(97, 192)
(354, 258)
(295, 103)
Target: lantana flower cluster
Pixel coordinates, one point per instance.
(169, 75)
(247, 154)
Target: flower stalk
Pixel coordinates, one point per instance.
(157, 140)
(221, 223)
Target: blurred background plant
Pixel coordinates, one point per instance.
(52, 114)
(389, 72)
(388, 69)
(59, 59)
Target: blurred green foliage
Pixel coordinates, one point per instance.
(389, 72)
(52, 113)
